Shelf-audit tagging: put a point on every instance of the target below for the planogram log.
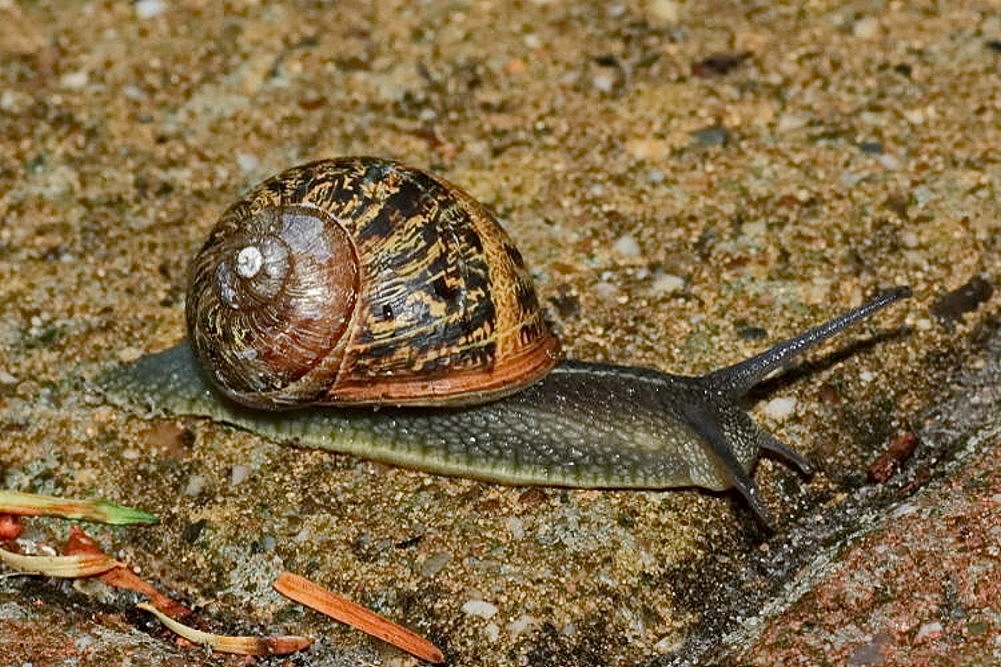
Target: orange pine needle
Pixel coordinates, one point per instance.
(80, 542)
(305, 592)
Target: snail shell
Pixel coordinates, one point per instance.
(362, 281)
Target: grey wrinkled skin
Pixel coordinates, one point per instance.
(583, 425)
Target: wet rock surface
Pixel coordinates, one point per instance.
(688, 183)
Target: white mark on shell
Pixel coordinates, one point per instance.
(249, 261)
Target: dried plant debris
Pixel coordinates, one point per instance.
(719, 64)
(80, 543)
(951, 306)
(82, 557)
(61, 567)
(240, 645)
(305, 592)
(101, 511)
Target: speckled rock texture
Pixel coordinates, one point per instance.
(689, 182)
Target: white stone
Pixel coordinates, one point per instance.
(480, 608)
(866, 28)
(238, 474)
(606, 291)
(521, 624)
(147, 9)
(627, 246)
(75, 80)
(666, 11)
(667, 283)
(247, 162)
(516, 526)
(780, 408)
(929, 630)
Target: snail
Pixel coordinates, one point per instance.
(363, 306)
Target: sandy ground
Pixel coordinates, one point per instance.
(689, 182)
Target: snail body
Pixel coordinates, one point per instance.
(434, 353)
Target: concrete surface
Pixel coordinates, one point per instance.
(689, 181)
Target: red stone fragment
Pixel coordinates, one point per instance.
(887, 463)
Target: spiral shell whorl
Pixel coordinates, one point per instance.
(396, 287)
(272, 293)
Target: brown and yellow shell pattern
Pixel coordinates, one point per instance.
(363, 281)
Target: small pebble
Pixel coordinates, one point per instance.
(866, 28)
(930, 630)
(521, 624)
(914, 116)
(667, 644)
(14, 101)
(888, 161)
(667, 283)
(604, 82)
(247, 162)
(606, 291)
(238, 474)
(788, 122)
(869, 652)
(147, 9)
(74, 80)
(850, 179)
(516, 526)
(664, 11)
(905, 509)
(780, 408)
(435, 563)
(128, 354)
(627, 246)
(515, 66)
(921, 195)
(648, 149)
(480, 608)
(717, 135)
(196, 484)
(133, 92)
